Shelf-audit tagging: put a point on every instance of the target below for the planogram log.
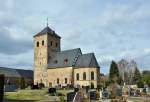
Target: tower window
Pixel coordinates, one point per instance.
(43, 43)
(77, 76)
(37, 44)
(57, 80)
(55, 61)
(84, 76)
(65, 80)
(51, 43)
(92, 75)
(56, 44)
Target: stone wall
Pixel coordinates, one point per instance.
(40, 58)
(88, 80)
(59, 73)
(42, 55)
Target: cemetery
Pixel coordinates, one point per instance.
(113, 94)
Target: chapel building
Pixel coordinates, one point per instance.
(54, 67)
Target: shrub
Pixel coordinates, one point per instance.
(41, 85)
(1, 87)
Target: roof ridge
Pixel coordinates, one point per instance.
(70, 49)
(88, 53)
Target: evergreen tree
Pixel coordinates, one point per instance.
(114, 74)
(146, 77)
(136, 76)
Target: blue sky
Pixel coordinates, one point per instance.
(112, 29)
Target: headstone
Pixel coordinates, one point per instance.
(119, 92)
(92, 95)
(100, 94)
(76, 89)
(78, 97)
(1, 87)
(70, 96)
(116, 90)
(52, 90)
(87, 89)
(105, 95)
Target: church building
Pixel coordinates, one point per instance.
(55, 67)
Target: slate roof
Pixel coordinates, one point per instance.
(8, 72)
(25, 73)
(87, 60)
(47, 30)
(18, 73)
(75, 58)
(59, 59)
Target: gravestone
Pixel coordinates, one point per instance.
(70, 96)
(76, 89)
(105, 94)
(87, 88)
(1, 87)
(52, 90)
(92, 95)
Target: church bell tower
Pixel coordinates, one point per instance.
(46, 45)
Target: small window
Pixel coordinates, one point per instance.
(92, 85)
(84, 76)
(65, 61)
(37, 44)
(56, 44)
(55, 61)
(92, 75)
(51, 43)
(77, 76)
(65, 80)
(43, 43)
(57, 80)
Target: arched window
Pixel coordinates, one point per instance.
(51, 43)
(43, 43)
(56, 44)
(92, 75)
(84, 76)
(77, 76)
(66, 80)
(37, 44)
(57, 80)
(92, 85)
(55, 61)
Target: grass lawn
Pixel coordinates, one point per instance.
(27, 95)
(33, 95)
(139, 100)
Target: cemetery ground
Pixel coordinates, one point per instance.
(42, 95)
(32, 95)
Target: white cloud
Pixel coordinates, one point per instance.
(113, 30)
(147, 51)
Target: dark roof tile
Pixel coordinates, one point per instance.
(47, 30)
(65, 58)
(87, 60)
